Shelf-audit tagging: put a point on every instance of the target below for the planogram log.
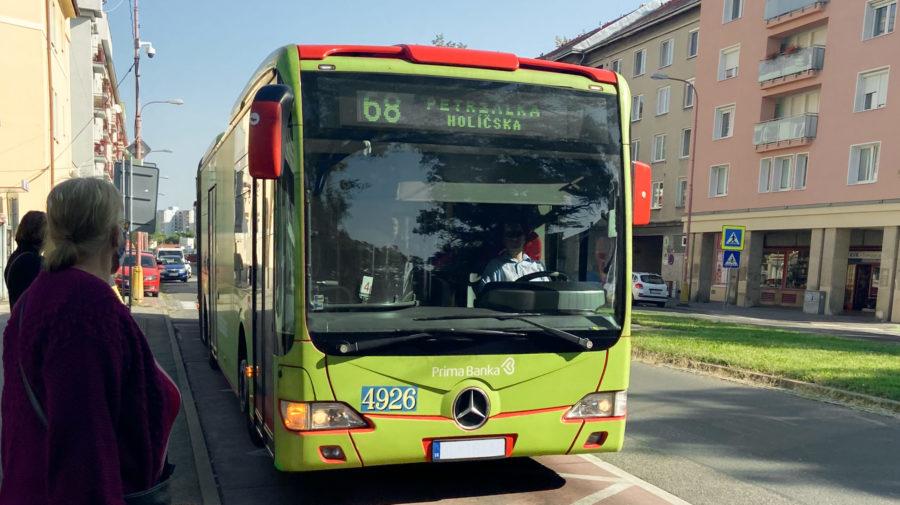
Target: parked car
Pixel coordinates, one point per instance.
(150, 270)
(172, 251)
(173, 268)
(648, 287)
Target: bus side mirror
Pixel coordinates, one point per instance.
(641, 183)
(270, 108)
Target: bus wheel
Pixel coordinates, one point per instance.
(204, 325)
(247, 409)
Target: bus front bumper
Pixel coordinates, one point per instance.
(396, 439)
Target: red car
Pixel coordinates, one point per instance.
(151, 274)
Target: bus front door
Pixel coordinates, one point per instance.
(263, 303)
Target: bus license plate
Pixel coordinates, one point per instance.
(447, 450)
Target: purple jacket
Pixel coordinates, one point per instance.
(109, 406)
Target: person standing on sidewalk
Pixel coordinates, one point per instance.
(87, 411)
(24, 263)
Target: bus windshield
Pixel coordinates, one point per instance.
(429, 198)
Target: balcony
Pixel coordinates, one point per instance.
(783, 11)
(803, 63)
(779, 8)
(785, 132)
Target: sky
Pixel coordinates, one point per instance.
(207, 50)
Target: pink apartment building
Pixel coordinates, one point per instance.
(799, 141)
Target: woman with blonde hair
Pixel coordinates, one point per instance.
(87, 411)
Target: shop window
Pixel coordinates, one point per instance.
(784, 268)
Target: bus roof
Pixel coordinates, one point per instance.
(452, 56)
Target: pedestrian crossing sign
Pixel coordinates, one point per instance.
(732, 238)
(731, 259)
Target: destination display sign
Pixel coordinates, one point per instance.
(555, 117)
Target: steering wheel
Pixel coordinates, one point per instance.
(543, 273)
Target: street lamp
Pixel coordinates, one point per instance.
(687, 266)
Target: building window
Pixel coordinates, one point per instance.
(662, 100)
(781, 173)
(718, 180)
(688, 100)
(616, 66)
(686, 142)
(724, 124)
(871, 90)
(659, 148)
(800, 171)
(656, 202)
(640, 59)
(880, 18)
(784, 268)
(863, 163)
(666, 51)
(693, 45)
(765, 175)
(681, 195)
(637, 107)
(733, 10)
(635, 149)
(728, 62)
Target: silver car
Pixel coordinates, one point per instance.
(648, 287)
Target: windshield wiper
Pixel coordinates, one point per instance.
(376, 343)
(584, 343)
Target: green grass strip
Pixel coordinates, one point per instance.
(862, 366)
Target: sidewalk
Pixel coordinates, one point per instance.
(185, 488)
(856, 326)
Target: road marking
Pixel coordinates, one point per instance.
(646, 486)
(188, 305)
(596, 478)
(603, 494)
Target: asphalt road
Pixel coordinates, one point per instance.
(700, 439)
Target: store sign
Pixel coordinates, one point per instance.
(865, 255)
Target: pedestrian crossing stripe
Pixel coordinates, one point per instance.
(731, 262)
(733, 240)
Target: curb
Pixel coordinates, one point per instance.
(209, 491)
(841, 397)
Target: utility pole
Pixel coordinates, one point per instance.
(137, 272)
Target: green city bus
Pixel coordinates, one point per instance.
(349, 218)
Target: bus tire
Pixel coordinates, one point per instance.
(204, 324)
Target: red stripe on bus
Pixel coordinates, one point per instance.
(413, 417)
(569, 450)
(529, 412)
(603, 373)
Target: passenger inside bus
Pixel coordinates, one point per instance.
(513, 262)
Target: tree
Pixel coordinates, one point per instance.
(439, 41)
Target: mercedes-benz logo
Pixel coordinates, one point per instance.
(471, 409)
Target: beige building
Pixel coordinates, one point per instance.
(35, 106)
(658, 37)
(797, 141)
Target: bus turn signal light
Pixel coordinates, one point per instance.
(301, 416)
(608, 404)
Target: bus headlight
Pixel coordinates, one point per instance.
(298, 416)
(607, 404)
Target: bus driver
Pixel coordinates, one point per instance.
(512, 263)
